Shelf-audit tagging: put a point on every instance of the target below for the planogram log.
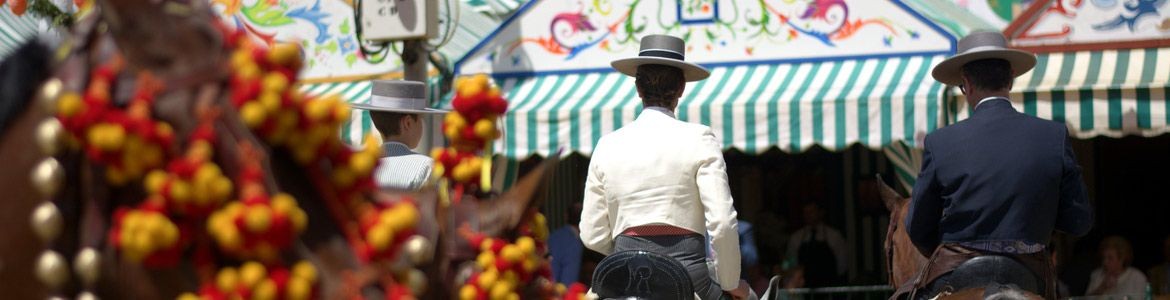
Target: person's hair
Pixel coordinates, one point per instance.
(990, 74)
(659, 85)
(388, 122)
(1121, 245)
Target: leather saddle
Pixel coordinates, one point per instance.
(637, 274)
(988, 271)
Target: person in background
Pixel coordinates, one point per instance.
(1116, 276)
(772, 243)
(749, 255)
(398, 109)
(820, 249)
(565, 247)
(1160, 274)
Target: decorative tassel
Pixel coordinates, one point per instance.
(485, 175)
(444, 196)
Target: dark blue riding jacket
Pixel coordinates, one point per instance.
(1000, 175)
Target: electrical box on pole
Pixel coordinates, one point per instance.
(396, 20)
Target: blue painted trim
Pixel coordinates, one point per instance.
(503, 75)
(951, 38)
(678, 14)
(696, 22)
(492, 36)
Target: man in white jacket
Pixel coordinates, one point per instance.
(658, 184)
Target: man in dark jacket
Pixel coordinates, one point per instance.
(1001, 181)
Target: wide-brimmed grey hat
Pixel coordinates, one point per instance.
(398, 96)
(659, 49)
(982, 45)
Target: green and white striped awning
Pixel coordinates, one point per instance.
(1108, 92)
(752, 108)
(14, 31)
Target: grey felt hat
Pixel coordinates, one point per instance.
(659, 49)
(982, 45)
(398, 96)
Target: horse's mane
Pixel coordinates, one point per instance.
(20, 74)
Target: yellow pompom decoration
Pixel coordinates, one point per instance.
(305, 270)
(488, 279)
(227, 279)
(154, 181)
(511, 253)
(69, 104)
(253, 114)
(266, 290)
(107, 136)
(318, 110)
(188, 296)
(485, 129)
(526, 245)
(180, 191)
(362, 162)
(298, 289)
(251, 273)
(500, 290)
(270, 100)
(258, 218)
(485, 260)
(285, 54)
(379, 237)
(467, 292)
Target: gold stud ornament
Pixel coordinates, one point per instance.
(46, 221)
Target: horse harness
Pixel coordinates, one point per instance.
(949, 259)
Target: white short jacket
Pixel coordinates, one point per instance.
(659, 170)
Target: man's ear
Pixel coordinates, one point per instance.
(1012, 82)
(405, 123)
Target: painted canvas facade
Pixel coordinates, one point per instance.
(998, 13)
(584, 35)
(324, 28)
(1097, 21)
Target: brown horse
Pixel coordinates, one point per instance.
(904, 262)
(178, 42)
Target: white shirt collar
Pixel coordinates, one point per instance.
(659, 109)
(987, 99)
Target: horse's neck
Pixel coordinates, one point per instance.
(908, 261)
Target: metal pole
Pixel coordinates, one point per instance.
(414, 65)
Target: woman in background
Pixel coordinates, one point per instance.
(1116, 276)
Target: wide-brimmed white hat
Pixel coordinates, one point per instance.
(398, 96)
(982, 45)
(659, 49)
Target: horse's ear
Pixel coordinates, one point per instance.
(890, 197)
(504, 212)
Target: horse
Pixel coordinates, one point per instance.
(904, 262)
(61, 204)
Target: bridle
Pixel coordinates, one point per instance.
(889, 244)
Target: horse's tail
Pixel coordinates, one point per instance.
(21, 73)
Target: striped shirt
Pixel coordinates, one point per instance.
(401, 168)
